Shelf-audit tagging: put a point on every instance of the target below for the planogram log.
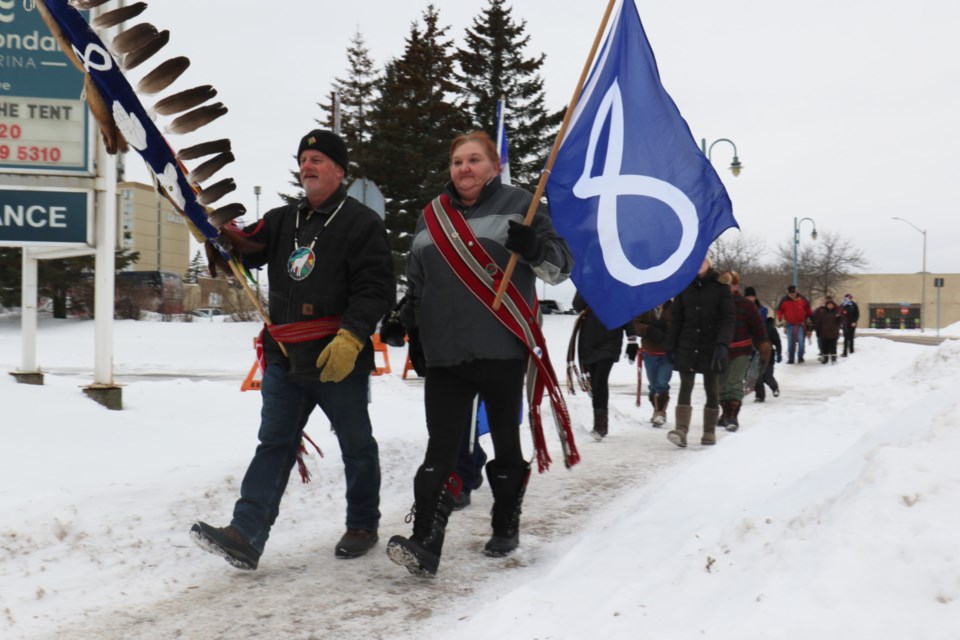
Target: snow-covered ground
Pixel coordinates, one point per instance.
(832, 513)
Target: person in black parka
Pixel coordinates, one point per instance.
(598, 349)
(850, 313)
(768, 379)
(698, 342)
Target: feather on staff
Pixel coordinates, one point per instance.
(133, 38)
(184, 100)
(116, 16)
(193, 120)
(87, 4)
(210, 167)
(146, 50)
(216, 191)
(226, 213)
(163, 76)
(204, 149)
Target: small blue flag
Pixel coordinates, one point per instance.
(483, 425)
(502, 141)
(630, 191)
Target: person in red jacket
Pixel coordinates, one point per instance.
(794, 310)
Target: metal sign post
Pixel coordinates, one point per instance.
(938, 283)
(367, 192)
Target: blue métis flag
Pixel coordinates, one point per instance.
(502, 149)
(630, 191)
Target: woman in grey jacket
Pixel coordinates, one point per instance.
(468, 351)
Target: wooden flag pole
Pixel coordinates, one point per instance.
(241, 278)
(542, 184)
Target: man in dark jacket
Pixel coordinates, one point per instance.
(699, 338)
(851, 316)
(331, 280)
(768, 379)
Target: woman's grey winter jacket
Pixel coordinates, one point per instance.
(454, 326)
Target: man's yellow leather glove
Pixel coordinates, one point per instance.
(337, 360)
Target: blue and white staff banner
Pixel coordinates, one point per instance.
(630, 191)
(138, 128)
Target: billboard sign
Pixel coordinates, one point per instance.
(45, 217)
(44, 124)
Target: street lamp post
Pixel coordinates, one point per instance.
(796, 241)
(735, 166)
(923, 277)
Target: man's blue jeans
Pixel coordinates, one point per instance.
(796, 337)
(286, 408)
(659, 372)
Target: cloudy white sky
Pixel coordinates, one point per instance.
(841, 112)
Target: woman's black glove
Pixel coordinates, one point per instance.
(523, 239)
(719, 362)
(391, 330)
(415, 352)
(632, 349)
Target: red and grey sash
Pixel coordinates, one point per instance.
(481, 275)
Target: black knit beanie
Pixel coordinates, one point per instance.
(327, 143)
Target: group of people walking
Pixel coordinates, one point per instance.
(331, 276)
(710, 329)
(829, 321)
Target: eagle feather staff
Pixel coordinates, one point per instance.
(122, 118)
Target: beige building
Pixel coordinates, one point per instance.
(894, 300)
(148, 223)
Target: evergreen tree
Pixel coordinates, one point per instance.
(196, 268)
(357, 93)
(413, 121)
(69, 282)
(492, 64)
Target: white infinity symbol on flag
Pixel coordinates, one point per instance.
(612, 183)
